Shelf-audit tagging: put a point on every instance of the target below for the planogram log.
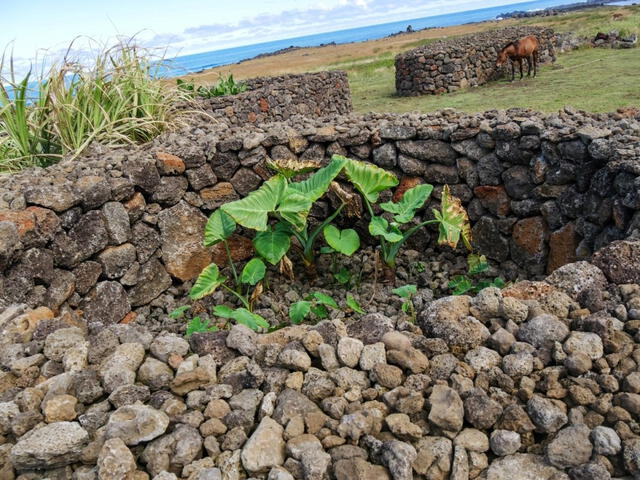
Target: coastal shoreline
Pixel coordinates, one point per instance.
(296, 52)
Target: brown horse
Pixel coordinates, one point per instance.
(526, 47)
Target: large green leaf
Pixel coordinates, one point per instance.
(453, 221)
(294, 208)
(298, 311)
(344, 241)
(207, 282)
(222, 311)
(412, 200)
(251, 320)
(379, 227)
(253, 210)
(253, 272)
(318, 183)
(369, 179)
(272, 245)
(219, 227)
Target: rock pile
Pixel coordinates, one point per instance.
(119, 233)
(540, 378)
(273, 99)
(613, 39)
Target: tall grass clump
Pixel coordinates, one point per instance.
(114, 99)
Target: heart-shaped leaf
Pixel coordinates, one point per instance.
(294, 207)
(272, 245)
(253, 272)
(253, 210)
(219, 227)
(412, 200)
(369, 179)
(298, 311)
(207, 282)
(344, 241)
(318, 183)
(250, 319)
(379, 227)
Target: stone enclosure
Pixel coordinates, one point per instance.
(541, 191)
(539, 380)
(468, 61)
(272, 99)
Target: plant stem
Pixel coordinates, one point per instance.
(242, 298)
(233, 267)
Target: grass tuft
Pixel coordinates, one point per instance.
(115, 100)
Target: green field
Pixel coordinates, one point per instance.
(598, 80)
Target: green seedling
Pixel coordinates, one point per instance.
(316, 303)
(462, 284)
(194, 325)
(353, 304)
(407, 292)
(343, 276)
(247, 286)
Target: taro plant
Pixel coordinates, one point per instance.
(248, 289)
(289, 203)
(477, 264)
(452, 219)
(406, 292)
(247, 286)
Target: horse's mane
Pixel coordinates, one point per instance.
(510, 44)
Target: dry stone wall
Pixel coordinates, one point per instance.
(468, 61)
(269, 99)
(121, 230)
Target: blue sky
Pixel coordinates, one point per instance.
(190, 26)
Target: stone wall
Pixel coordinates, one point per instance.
(269, 99)
(124, 227)
(468, 61)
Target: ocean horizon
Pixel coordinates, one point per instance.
(194, 63)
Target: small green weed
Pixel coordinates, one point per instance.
(462, 284)
(225, 86)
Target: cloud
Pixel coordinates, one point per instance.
(321, 16)
(326, 15)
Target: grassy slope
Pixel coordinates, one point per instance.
(597, 80)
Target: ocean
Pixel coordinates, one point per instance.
(197, 62)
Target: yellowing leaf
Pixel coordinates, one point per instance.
(454, 221)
